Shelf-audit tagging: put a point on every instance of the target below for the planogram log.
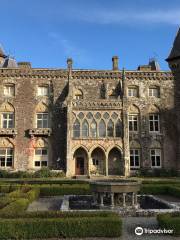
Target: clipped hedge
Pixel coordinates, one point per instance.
(60, 227)
(170, 221)
(59, 214)
(64, 189)
(157, 189)
(31, 194)
(14, 207)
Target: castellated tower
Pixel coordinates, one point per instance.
(174, 64)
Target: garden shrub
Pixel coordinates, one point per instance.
(4, 201)
(60, 227)
(30, 194)
(170, 221)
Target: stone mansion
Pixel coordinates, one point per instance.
(87, 122)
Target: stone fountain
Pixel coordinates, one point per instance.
(121, 193)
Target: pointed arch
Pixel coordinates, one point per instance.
(153, 109)
(133, 109)
(85, 128)
(7, 107)
(102, 128)
(110, 128)
(76, 129)
(41, 107)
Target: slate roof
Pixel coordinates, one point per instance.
(175, 51)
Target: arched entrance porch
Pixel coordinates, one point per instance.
(81, 161)
(98, 162)
(115, 163)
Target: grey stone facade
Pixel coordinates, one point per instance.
(89, 116)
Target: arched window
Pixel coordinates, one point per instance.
(93, 128)
(102, 128)
(76, 129)
(118, 128)
(110, 128)
(85, 129)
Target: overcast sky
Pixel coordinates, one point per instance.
(46, 32)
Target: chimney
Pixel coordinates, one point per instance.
(24, 65)
(69, 63)
(115, 60)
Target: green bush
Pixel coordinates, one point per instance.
(60, 227)
(4, 201)
(170, 221)
(30, 194)
(64, 189)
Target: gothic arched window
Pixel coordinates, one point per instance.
(76, 129)
(93, 128)
(85, 129)
(118, 128)
(110, 128)
(102, 128)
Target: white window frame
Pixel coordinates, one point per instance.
(6, 155)
(7, 120)
(134, 155)
(157, 154)
(44, 113)
(133, 122)
(9, 90)
(43, 91)
(40, 159)
(152, 92)
(133, 91)
(154, 122)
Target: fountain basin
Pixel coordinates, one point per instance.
(115, 186)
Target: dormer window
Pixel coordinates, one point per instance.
(78, 94)
(9, 90)
(43, 91)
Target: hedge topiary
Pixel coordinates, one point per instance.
(60, 227)
(170, 221)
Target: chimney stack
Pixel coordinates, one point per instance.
(115, 61)
(69, 63)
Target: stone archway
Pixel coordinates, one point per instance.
(81, 161)
(98, 162)
(115, 163)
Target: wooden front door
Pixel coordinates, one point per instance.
(79, 166)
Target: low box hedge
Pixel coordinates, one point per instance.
(60, 228)
(157, 189)
(14, 207)
(170, 221)
(64, 189)
(58, 214)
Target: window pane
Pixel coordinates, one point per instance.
(76, 129)
(44, 151)
(110, 128)
(118, 128)
(37, 163)
(93, 129)
(9, 162)
(102, 129)
(85, 129)
(38, 152)
(2, 161)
